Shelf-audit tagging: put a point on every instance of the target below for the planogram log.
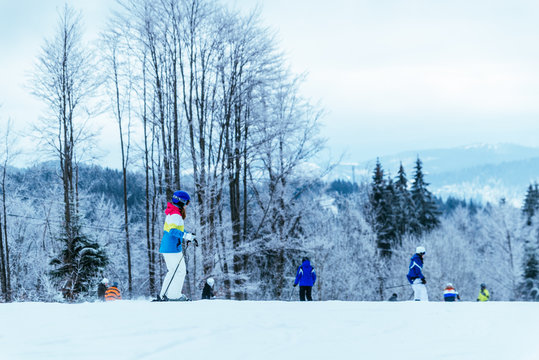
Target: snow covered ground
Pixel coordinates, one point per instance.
(220, 329)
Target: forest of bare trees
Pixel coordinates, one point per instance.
(203, 101)
(215, 100)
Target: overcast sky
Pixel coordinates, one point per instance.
(391, 75)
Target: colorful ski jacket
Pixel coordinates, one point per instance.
(112, 294)
(416, 268)
(306, 276)
(173, 230)
(450, 294)
(484, 295)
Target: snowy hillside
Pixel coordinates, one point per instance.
(483, 173)
(489, 182)
(220, 330)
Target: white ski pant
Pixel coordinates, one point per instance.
(175, 289)
(420, 291)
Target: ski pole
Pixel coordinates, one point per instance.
(172, 278)
(291, 294)
(398, 286)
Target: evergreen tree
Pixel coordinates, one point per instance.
(531, 265)
(528, 288)
(451, 204)
(426, 210)
(378, 201)
(343, 187)
(404, 207)
(387, 231)
(378, 184)
(531, 203)
(383, 199)
(77, 264)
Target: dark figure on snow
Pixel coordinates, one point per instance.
(450, 294)
(393, 297)
(415, 275)
(207, 292)
(102, 288)
(113, 293)
(484, 295)
(306, 277)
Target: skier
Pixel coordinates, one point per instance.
(450, 294)
(306, 277)
(171, 248)
(113, 293)
(415, 275)
(393, 297)
(207, 292)
(484, 295)
(102, 289)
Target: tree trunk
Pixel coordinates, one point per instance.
(4, 229)
(147, 165)
(3, 275)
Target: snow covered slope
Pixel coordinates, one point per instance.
(247, 330)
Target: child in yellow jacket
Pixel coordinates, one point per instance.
(484, 295)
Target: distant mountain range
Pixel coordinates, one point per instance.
(485, 173)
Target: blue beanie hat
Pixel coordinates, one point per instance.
(181, 196)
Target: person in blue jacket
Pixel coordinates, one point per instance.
(415, 275)
(306, 277)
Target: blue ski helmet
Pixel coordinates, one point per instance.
(181, 196)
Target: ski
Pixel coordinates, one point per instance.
(166, 299)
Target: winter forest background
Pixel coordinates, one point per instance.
(204, 102)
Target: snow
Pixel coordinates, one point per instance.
(220, 329)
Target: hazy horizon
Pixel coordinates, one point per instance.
(391, 77)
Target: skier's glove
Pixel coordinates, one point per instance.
(295, 285)
(423, 281)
